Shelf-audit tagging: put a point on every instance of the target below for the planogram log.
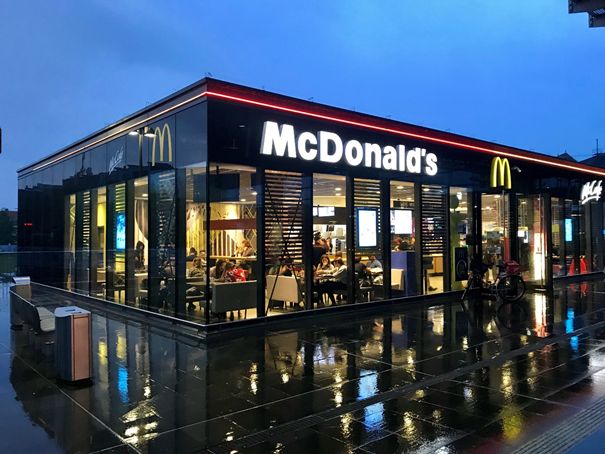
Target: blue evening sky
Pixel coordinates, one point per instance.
(523, 73)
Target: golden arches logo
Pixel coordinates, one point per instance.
(158, 136)
(500, 174)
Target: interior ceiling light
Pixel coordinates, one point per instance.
(399, 187)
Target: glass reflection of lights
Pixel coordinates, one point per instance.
(285, 377)
(345, 425)
(436, 316)
(102, 352)
(121, 347)
(464, 343)
(147, 388)
(540, 327)
(507, 379)
(368, 387)
(409, 429)
(123, 384)
(253, 378)
(513, 422)
(575, 340)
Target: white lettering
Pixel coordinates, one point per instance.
(278, 139)
(327, 147)
(401, 150)
(591, 191)
(353, 152)
(308, 154)
(389, 160)
(372, 149)
(325, 138)
(431, 164)
(413, 162)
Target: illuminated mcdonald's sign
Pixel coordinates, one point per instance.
(159, 134)
(500, 174)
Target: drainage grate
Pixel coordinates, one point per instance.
(562, 437)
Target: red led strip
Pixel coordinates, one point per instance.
(403, 133)
(329, 118)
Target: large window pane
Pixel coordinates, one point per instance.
(141, 242)
(162, 253)
(403, 240)
(233, 242)
(460, 228)
(330, 239)
(368, 278)
(116, 245)
(434, 232)
(98, 253)
(70, 241)
(558, 237)
(196, 259)
(494, 231)
(531, 240)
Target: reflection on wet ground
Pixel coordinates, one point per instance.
(443, 378)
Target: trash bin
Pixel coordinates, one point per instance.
(22, 287)
(73, 343)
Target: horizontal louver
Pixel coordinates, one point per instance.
(283, 217)
(434, 220)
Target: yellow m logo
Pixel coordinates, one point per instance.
(500, 175)
(160, 135)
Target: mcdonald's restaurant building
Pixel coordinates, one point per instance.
(218, 204)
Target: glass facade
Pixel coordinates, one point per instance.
(191, 215)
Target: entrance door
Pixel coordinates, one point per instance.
(494, 231)
(531, 239)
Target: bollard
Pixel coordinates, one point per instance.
(73, 343)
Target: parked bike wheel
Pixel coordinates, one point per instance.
(511, 288)
(474, 285)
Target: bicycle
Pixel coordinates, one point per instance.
(508, 286)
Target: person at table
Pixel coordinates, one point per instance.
(318, 249)
(246, 250)
(192, 254)
(324, 267)
(197, 270)
(283, 267)
(139, 256)
(202, 256)
(217, 272)
(234, 273)
(335, 281)
(374, 263)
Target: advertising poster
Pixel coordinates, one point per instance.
(461, 261)
(367, 227)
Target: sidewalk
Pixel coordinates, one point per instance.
(485, 378)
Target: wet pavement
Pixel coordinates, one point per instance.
(446, 378)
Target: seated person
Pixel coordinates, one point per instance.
(192, 254)
(202, 256)
(282, 267)
(324, 267)
(197, 270)
(246, 249)
(217, 272)
(337, 280)
(234, 273)
(196, 288)
(374, 263)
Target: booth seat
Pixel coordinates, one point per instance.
(233, 296)
(283, 288)
(398, 279)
